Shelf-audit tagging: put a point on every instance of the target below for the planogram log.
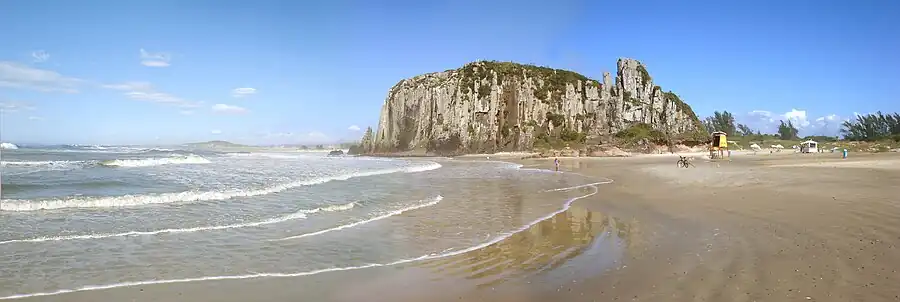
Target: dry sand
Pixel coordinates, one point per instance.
(766, 227)
(783, 227)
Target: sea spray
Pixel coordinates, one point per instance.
(19, 205)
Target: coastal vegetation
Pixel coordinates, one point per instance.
(875, 132)
(872, 127)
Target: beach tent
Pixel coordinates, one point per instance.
(809, 147)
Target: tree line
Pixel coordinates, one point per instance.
(724, 122)
(868, 127)
(872, 127)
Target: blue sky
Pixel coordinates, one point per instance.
(268, 72)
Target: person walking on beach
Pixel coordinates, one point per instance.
(556, 163)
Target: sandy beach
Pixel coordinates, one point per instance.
(766, 227)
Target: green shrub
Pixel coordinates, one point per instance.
(640, 131)
(572, 136)
(557, 119)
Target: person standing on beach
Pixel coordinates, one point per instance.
(556, 162)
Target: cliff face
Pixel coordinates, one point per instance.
(500, 106)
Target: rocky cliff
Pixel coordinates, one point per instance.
(501, 106)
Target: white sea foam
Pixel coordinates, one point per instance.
(149, 162)
(431, 202)
(8, 146)
(188, 196)
(499, 238)
(42, 166)
(301, 214)
(40, 163)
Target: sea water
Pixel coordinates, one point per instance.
(94, 217)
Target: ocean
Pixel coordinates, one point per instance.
(82, 218)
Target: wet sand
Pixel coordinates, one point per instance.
(768, 227)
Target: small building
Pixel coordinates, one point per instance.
(809, 147)
(719, 145)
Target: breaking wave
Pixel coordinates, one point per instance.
(431, 202)
(8, 146)
(301, 214)
(444, 254)
(60, 165)
(40, 163)
(149, 162)
(19, 205)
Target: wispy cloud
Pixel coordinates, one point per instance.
(242, 92)
(353, 128)
(316, 135)
(144, 91)
(229, 109)
(158, 59)
(216, 131)
(21, 76)
(14, 107)
(278, 134)
(186, 112)
(132, 86)
(40, 56)
(35, 118)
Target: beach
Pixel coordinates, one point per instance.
(766, 227)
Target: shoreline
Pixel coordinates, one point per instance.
(807, 227)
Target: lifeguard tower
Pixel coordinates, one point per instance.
(809, 147)
(719, 145)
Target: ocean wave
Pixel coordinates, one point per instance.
(100, 149)
(432, 256)
(19, 205)
(40, 163)
(150, 162)
(8, 146)
(42, 166)
(429, 203)
(301, 214)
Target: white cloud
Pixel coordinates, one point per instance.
(761, 114)
(798, 117)
(278, 134)
(186, 112)
(216, 131)
(20, 76)
(14, 107)
(144, 91)
(35, 118)
(242, 92)
(132, 86)
(353, 128)
(40, 56)
(159, 59)
(224, 108)
(767, 122)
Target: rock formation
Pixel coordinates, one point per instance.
(501, 106)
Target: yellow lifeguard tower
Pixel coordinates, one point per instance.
(719, 145)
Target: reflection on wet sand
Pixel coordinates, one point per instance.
(545, 246)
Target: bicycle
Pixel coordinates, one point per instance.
(685, 162)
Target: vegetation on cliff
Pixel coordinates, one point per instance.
(550, 83)
(490, 106)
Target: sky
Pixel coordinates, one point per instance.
(291, 72)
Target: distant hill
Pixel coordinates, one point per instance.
(215, 144)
